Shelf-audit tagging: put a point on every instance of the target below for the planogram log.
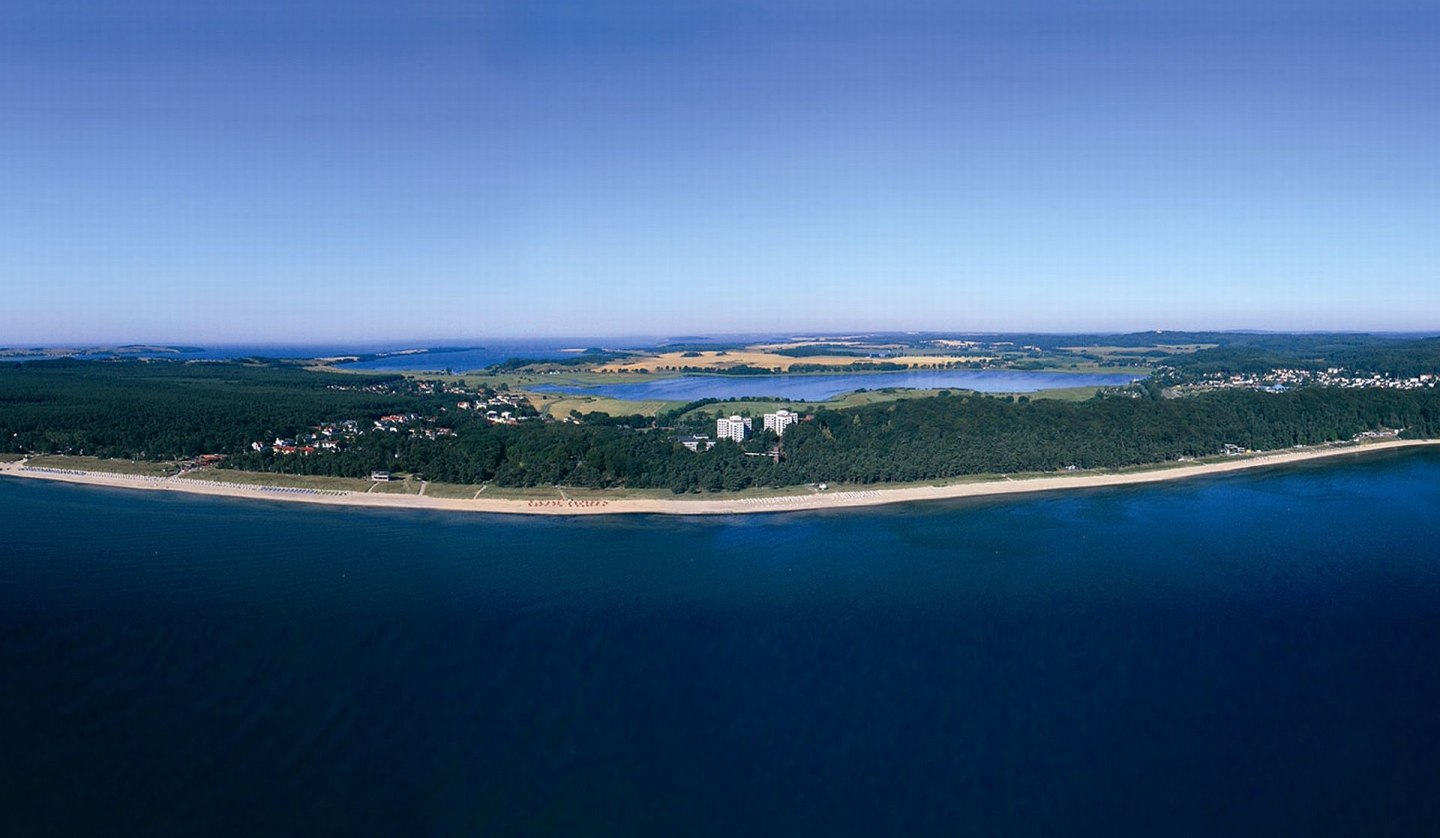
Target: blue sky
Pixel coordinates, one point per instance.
(308, 172)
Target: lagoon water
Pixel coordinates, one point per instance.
(1252, 654)
(820, 387)
(449, 356)
(474, 358)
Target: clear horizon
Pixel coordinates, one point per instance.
(646, 340)
(336, 173)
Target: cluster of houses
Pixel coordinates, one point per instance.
(394, 422)
(330, 436)
(411, 424)
(418, 386)
(333, 436)
(1280, 380)
(495, 406)
(499, 409)
(432, 387)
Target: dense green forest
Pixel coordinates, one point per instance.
(913, 439)
(164, 410)
(1356, 353)
(170, 409)
(945, 436)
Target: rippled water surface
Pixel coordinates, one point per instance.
(1253, 653)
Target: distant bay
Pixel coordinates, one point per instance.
(398, 356)
(1250, 654)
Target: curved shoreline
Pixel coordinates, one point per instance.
(708, 506)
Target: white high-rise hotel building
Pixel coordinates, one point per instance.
(780, 420)
(736, 428)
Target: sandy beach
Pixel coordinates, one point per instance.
(703, 505)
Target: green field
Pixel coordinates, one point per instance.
(1066, 394)
(559, 405)
(80, 463)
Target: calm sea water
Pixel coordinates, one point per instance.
(821, 387)
(1251, 654)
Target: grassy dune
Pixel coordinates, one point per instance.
(79, 463)
(259, 478)
(454, 491)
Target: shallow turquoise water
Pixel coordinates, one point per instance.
(1246, 654)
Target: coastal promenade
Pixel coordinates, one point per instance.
(706, 505)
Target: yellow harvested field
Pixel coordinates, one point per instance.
(755, 358)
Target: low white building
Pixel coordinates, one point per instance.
(780, 420)
(736, 428)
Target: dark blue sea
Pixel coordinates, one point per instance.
(1251, 654)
